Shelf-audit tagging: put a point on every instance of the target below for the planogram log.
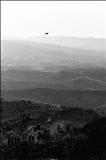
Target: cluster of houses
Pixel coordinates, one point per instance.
(54, 107)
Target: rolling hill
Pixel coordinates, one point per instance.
(78, 78)
(80, 83)
(38, 56)
(76, 42)
(85, 99)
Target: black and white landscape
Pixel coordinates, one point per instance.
(53, 87)
(53, 73)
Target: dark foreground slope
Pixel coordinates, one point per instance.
(84, 143)
(78, 98)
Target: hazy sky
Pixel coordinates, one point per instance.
(60, 18)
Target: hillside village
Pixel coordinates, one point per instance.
(49, 129)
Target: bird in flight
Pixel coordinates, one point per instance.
(47, 33)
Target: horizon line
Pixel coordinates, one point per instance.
(51, 36)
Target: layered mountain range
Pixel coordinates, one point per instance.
(50, 68)
(74, 63)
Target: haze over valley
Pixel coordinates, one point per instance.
(38, 64)
(54, 48)
(53, 80)
(52, 65)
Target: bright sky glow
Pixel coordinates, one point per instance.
(60, 18)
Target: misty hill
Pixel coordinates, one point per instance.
(18, 85)
(67, 79)
(28, 65)
(76, 42)
(85, 99)
(85, 83)
(42, 56)
(78, 83)
(60, 76)
(94, 73)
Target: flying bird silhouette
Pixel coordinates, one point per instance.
(47, 33)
